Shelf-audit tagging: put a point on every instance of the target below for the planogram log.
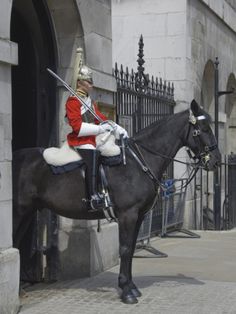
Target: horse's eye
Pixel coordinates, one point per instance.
(206, 127)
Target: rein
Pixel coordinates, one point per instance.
(162, 155)
(141, 161)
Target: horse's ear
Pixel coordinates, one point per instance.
(195, 107)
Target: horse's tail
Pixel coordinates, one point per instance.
(25, 165)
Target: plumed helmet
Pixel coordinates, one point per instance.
(81, 71)
(85, 73)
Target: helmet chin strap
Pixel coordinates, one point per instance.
(81, 92)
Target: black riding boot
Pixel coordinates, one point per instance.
(91, 157)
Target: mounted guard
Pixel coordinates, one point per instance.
(158, 143)
(87, 123)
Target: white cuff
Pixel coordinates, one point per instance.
(88, 129)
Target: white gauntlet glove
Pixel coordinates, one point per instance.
(120, 131)
(88, 129)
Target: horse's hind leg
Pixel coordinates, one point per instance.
(127, 232)
(20, 225)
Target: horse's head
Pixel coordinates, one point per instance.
(200, 138)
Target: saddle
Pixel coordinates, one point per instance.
(66, 159)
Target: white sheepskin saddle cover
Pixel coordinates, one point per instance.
(61, 156)
(65, 154)
(106, 145)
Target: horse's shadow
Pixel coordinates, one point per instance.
(110, 278)
(107, 282)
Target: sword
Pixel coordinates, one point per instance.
(74, 94)
(123, 148)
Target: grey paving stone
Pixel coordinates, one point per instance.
(192, 280)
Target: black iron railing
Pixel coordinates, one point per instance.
(139, 100)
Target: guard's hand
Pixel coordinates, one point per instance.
(105, 127)
(121, 131)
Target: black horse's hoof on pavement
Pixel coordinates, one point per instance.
(136, 292)
(129, 298)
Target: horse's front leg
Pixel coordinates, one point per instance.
(134, 289)
(127, 232)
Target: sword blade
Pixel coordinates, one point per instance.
(74, 94)
(123, 148)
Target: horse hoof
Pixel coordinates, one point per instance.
(129, 299)
(136, 292)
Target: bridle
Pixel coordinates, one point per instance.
(202, 157)
(203, 154)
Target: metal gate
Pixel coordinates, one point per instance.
(230, 206)
(140, 102)
(204, 195)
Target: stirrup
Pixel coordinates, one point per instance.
(97, 202)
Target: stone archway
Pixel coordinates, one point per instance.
(207, 91)
(230, 110)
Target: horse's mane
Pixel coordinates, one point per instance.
(162, 122)
(159, 124)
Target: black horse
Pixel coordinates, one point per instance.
(132, 190)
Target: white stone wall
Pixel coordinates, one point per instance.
(163, 26)
(9, 259)
(8, 55)
(211, 34)
(225, 10)
(211, 38)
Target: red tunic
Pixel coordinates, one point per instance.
(74, 116)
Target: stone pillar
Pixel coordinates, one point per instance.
(85, 252)
(9, 257)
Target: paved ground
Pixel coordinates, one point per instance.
(198, 277)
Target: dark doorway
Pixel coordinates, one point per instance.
(24, 85)
(34, 111)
